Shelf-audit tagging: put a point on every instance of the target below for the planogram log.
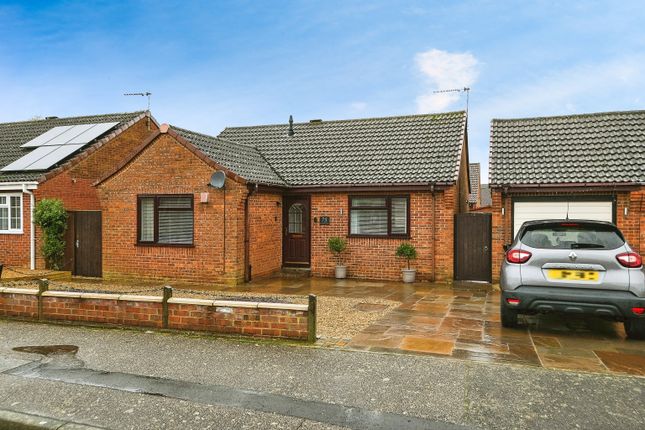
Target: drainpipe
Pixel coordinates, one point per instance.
(32, 233)
(247, 234)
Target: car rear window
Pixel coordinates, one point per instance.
(572, 236)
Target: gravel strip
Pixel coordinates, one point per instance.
(338, 317)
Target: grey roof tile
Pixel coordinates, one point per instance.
(606, 147)
(244, 160)
(404, 149)
(15, 134)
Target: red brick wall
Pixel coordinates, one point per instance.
(167, 167)
(373, 258)
(14, 248)
(265, 229)
(632, 225)
(229, 317)
(18, 305)
(291, 324)
(114, 312)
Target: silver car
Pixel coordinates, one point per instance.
(574, 267)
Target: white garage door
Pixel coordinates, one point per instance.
(531, 211)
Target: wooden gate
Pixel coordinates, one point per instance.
(87, 244)
(473, 247)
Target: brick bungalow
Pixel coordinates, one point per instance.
(286, 189)
(591, 165)
(69, 179)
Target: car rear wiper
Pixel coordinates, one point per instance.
(586, 245)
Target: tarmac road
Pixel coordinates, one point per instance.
(125, 379)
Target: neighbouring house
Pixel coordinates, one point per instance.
(256, 199)
(485, 196)
(474, 198)
(589, 166)
(61, 158)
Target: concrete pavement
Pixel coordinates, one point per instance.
(434, 390)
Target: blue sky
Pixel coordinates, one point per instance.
(222, 63)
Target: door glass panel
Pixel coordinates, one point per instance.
(295, 218)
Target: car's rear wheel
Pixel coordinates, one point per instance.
(509, 317)
(635, 328)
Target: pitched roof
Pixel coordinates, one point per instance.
(485, 196)
(606, 147)
(244, 160)
(15, 134)
(403, 149)
(474, 173)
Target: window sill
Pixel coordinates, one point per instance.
(377, 236)
(16, 232)
(164, 245)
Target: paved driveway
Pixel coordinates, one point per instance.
(463, 322)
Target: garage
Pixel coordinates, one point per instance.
(531, 210)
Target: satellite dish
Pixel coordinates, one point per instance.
(218, 179)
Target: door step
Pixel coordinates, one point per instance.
(295, 272)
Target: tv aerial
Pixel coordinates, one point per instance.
(457, 90)
(145, 94)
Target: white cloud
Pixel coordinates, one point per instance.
(444, 70)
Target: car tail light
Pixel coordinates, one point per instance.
(639, 311)
(513, 301)
(630, 259)
(517, 256)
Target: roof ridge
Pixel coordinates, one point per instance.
(213, 137)
(139, 112)
(419, 115)
(577, 115)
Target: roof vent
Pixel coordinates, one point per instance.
(315, 121)
(291, 132)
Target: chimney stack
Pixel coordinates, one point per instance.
(291, 132)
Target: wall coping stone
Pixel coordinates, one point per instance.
(30, 292)
(285, 306)
(69, 294)
(188, 301)
(152, 299)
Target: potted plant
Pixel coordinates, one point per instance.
(408, 251)
(338, 245)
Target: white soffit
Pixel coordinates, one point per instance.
(70, 134)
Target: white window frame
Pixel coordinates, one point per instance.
(8, 206)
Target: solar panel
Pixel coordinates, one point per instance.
(47, 136)
(27, 160)
(60, 153)
(71, 134)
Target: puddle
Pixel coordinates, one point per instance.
(48, 349)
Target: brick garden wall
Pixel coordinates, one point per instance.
(278, 320)
(632, 225)
(373, 258)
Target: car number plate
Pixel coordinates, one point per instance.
(573, 275)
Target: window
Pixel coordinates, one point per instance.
(379, 216)
(295, 218)
(11, 213)
(165, 220)
(572, 235)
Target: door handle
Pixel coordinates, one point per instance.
(78, 242)
(485, 248)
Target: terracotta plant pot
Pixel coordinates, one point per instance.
(341, 272)
(409, 275)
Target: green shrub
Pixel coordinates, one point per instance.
(51, 217)
(337, 245)
(408, 251)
